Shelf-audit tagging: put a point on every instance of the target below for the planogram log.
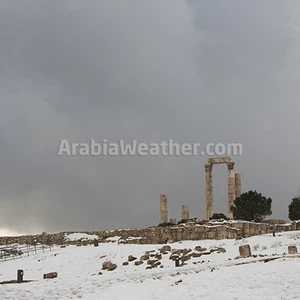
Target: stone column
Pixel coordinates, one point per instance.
(231, 187)
(163, 209)
(185, 212)
(173, 221)
(238, 185)
(208, 190)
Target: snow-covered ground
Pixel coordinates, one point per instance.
(213, 276)
(80, 236)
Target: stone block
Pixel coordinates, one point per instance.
(152, 261)
(219, 160)
(50, 275)
(145, 257)
(200, 249)
(165, 249)
(194, 254)
(173, 221)
(104, 265)
(131, 258)
(110, 266)
(245, 251)
(292, 250)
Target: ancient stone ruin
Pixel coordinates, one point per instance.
(173, 221)
(185, 212)
(50, 275)
(292, 250)
(202, 230)
(234, 184)
(163, 209)
(245, 251)
(185, 215)
(234, 191)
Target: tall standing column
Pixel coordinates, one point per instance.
(231, 187)
(163, 209)
(185, 212)
(208, 190)
(238, 185)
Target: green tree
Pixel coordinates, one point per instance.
(294, 209)
(251, 206)
(217, 216)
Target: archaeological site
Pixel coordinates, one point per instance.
(169, 230)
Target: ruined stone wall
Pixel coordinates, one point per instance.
(248, 229)
(156, 235)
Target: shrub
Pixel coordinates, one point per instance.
(165, 224)
(276, 244)
(182, 221)
(218, 216)
(256, 247)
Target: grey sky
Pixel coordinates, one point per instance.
(202, 71)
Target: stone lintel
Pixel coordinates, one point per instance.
(219, 160)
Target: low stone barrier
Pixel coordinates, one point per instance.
(160, 235)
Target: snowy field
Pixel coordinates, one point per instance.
(213, 276)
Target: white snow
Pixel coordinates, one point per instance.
(132, 238)
(80, 236)
(119, 238)
(214, 276)
(113, 239)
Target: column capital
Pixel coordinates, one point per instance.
(230, 165)
(208, 167)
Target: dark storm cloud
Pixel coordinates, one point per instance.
(151, 71)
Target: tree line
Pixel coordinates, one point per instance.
(253, 206)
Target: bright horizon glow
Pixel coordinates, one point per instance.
(8, 232)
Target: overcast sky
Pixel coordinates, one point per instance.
(199, 71)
